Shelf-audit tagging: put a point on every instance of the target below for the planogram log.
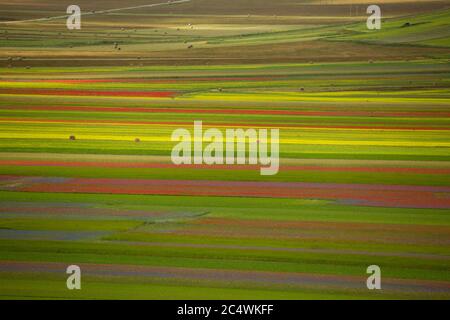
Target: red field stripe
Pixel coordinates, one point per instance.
(225, 124)
(369, 169)
(236, 111)
(350, 194)
(101, 164)
(59, 92)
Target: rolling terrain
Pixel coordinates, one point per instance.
(85, 140)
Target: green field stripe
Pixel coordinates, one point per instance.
(368, 248)
(224, 175)
(340, 264)
(125, 118)
(243, 208)
(43, 286)
(65, 224)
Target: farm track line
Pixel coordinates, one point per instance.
(99, 12)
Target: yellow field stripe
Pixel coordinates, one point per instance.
(165, 138)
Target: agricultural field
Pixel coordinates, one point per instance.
(86, 177)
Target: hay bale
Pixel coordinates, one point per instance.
(72, 138)
(137, 140)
